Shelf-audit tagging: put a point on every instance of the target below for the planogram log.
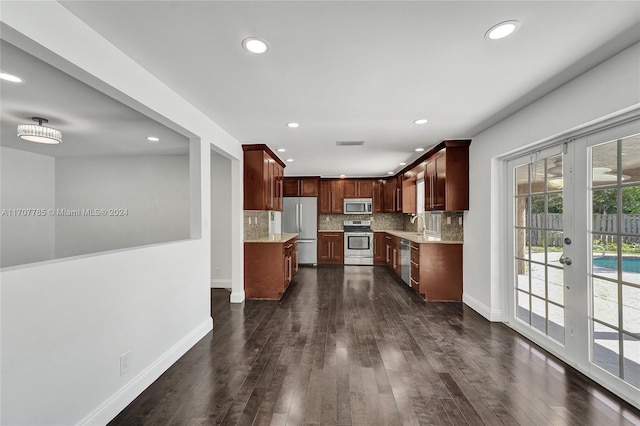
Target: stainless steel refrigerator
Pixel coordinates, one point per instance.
(300, 215)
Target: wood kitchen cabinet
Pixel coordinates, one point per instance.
(447, 177)
(393, 195)
(358, 188)
(379, 248)
(330, 247)
(331, 196)
(263, 178)
(392, 252)
(378, 196)
(436, 271)
(269, 268)
(301, 186)
(409, 200)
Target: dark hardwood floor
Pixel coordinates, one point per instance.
(353, 346)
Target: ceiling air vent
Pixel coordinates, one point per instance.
(349, 143)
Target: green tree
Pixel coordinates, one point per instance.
(605, 201)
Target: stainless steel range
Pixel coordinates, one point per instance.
(358, 242)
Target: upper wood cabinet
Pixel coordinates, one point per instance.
(378, 196)
(358, 188)
(446, 178)
(409, 188)
(393, 195)
(263, 178)
(331, 196)
(409, 196)
(301, 186)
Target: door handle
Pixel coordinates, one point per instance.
(565, 260)
(301, 225)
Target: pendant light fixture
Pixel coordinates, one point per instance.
(39, 133)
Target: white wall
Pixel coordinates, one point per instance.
(153, 189)
(26, 182)
(66, 323)
(604, 90)
(220, 221)
(152, 300)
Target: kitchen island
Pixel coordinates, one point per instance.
(270, 263)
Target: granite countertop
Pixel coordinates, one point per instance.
(331, 230)
(275, 238)
(416, 237)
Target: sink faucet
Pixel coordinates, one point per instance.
(424, 228)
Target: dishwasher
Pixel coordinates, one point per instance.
(405, 261)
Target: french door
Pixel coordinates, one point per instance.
(574, 226)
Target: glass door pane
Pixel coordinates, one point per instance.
(538, 233)
(615, 258)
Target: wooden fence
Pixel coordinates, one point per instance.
(605, 224)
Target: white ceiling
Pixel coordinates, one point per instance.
(92, 124)
(361, 70)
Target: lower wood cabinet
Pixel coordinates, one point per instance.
(269, 268)
(379, 248)
(436, 268)
(436, 271)
(330, 247)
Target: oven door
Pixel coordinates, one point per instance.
(358, 248)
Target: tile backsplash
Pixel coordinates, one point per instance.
(261, 223)
(448, 232)
(256, 224)
(379, 221)
(455, 230)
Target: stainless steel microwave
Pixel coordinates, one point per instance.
(358, 206)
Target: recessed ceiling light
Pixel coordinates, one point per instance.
(343, 176)
(389, 173)
(10, 77)
(293, 125)
(419, 149)
(502, 30)
(153, 139)
(420, 121)
(254, 45)
(402, 164)
(281, 150)
(289, 160)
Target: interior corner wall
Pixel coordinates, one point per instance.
(148, 196)
(220, 221)
(606, 89)
(26, 182)
(61, 349)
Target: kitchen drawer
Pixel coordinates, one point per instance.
(415, 257)
(415, 271)
(415, 285)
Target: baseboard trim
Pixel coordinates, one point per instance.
(237, 296)
(221, 284)
(494, 315)
(110, 408)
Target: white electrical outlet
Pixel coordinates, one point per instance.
(460, 221)
(255, 220)
(448, 220)
(125, 359)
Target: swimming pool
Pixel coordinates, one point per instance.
(629, 264)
